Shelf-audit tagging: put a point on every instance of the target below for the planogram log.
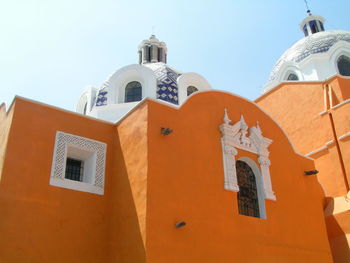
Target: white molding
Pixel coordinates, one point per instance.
(191, 79)
(341, 104)
(323, 112)
(329, 143)
(92, 152)
(87, 98)
(236, 137)
(344, 136)
(324, 147)
(134, 72)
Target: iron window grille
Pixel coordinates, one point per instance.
(248, 202)
(74, 169)
(133, 91)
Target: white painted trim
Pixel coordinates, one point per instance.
(344, 136)
(74, 185)
(91, 152)
(323, 112)
(236, 137)
(309, 18)
(135, 72)
(191, 79)
(324, 147)
(87, 97)
(330, 143)
(341, 104)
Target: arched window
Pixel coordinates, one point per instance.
(133, 91)
(343, 63)
(292, 77)
(248, 202)
(191, 89)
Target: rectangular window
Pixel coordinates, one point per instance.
(74, 169)
(78, 163)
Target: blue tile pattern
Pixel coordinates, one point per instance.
(101, 99)
(166, 84)
(317, 43)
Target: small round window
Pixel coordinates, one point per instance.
(292, 77)
(191, 89)
(343, 64)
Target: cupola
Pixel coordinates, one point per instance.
(152, 51)
(312, 24)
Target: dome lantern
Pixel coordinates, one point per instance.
(152, 51)
(312, 24)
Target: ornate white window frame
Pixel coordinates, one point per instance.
(91, 152)
(236, 137)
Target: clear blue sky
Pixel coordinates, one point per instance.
(51, 49)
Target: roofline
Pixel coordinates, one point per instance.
(176, 107)
(17, 97)
(279, 85)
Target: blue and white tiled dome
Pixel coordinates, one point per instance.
(151, 78)
(316, 43)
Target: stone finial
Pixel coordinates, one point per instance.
(226, 118)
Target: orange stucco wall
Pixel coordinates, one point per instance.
(303, 110)
(185, 183)
(316, 117)
(153, 181)
(5, 125)
(43, 223)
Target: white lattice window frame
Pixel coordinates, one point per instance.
(91, 152)
(236, 137)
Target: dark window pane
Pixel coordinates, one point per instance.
(313, 26)
(344, 65)
(292, 76)
(305, 30)
(133, 92)
(160, 54)
(149, 48)
(191, 89)
(248, 202)
(74, 169)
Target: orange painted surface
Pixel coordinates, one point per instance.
(133, 140)
(43, 223)
(297, 107)
(153, 181)
(185, 183)
(5, 125)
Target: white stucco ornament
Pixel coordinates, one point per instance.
(239, 136)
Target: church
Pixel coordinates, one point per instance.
(158, 166)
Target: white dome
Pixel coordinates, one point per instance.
(316, 43)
